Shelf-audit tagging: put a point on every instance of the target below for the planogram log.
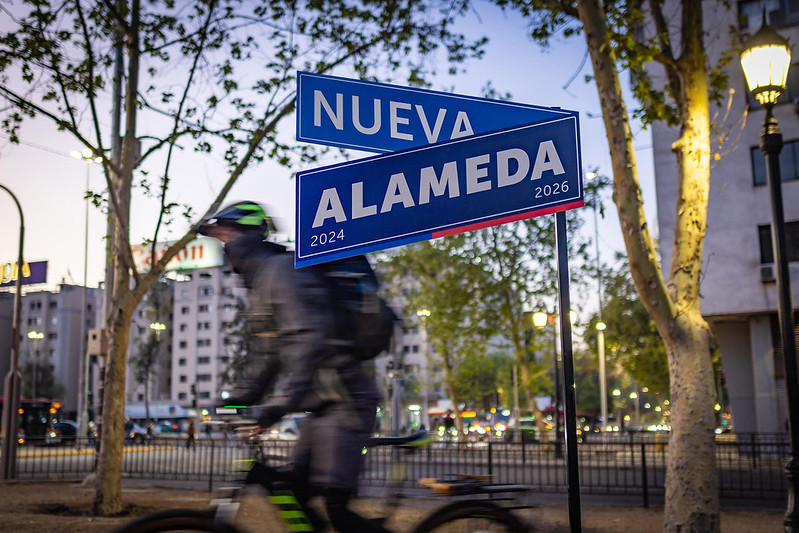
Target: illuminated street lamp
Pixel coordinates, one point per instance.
(603, 386)
(35, 336)
(540, 320)
(765, 62)
(424, 314)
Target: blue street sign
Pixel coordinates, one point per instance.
(442, 189)
(379, 117)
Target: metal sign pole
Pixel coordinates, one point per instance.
(568, 373)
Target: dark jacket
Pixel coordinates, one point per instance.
(293, 356)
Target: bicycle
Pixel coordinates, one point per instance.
(468, 515)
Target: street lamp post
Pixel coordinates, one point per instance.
(603, 385)
(765, 62)
(540, 321)
(83, 367)
(35, 336)
(12, 384)
(424, 314)
(600, 326)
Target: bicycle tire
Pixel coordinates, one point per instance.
(178, 520)
(472, 516)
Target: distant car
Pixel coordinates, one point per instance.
(529, 432)
(134, 432)
(166, 428)
(288, 428)
(67, 431)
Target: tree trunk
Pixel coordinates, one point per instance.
(691, 499)
(108, 495)
(691, 492)
(453, 395)
(528, 393)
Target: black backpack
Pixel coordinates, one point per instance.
(365, 321)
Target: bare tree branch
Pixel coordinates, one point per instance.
(192, 72)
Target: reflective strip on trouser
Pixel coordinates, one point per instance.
(291, 511)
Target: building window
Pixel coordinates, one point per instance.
(205, 275)
(203, 377)
(203, 325)
(181, 396)
(204, 308)
(205, 395)
(184, 327)
(205, 360)
(779, 13)
(52, 336)
(182, 345)
(205, 291)
(184, 310)
(52, 305)
(789, 162)
(182, 379)
(791, 242)
(203, 342)
(182, 361)
(36, 305)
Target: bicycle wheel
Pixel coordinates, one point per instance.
(178, 520)
(472, 517)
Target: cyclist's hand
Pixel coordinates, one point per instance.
(249, 432)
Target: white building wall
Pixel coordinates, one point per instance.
(735, 299)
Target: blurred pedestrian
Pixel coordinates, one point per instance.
(191, 435)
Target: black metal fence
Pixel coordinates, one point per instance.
(748, 466)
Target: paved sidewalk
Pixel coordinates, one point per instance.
(64, 507)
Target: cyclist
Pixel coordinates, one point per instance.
(294, 363)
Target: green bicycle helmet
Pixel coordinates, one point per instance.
(245, 216)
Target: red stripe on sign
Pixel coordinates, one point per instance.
(505, 220)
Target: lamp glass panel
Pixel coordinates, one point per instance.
(766, 66)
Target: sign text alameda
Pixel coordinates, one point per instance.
(435, 190)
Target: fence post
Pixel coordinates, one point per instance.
(490, 460)
(524, 458)
(644, 475)
(211, 469)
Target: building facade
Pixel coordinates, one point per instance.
(52, 342)
(206, 307)
(739, 297)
